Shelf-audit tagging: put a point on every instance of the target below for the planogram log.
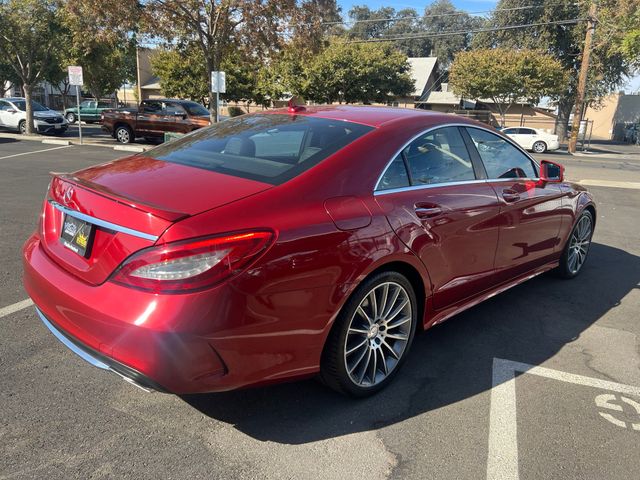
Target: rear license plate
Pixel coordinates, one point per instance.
(77, 235)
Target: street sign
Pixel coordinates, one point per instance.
(75, 76)
(218, 82)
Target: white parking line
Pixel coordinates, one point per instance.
(502, 461)
(16, 307)
(36, 151)
(610, 183)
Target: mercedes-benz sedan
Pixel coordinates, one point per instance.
(295, 243)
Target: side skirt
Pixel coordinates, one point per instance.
(449, 312)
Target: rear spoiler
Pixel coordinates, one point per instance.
(170, 215)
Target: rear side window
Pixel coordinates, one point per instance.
(395, 176)
(439, 156)
(268, 148)
(500, 158)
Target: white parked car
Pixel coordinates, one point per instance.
(535, 140)
(13, 115)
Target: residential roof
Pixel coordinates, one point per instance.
(421, 70)
(152, 84)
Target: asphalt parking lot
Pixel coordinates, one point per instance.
(542, 381)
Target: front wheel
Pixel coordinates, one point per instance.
(71, 117)
(577, 247)
(123, 134)
(371, 337)
(539, 147)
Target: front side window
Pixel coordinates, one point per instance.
(439, 156)
(501, 159)
(270, 148)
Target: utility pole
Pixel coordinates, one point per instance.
(582, 79)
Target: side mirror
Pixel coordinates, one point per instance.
(551, 172)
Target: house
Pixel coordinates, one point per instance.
(613, 115)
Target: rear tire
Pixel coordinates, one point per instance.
(576, 249)
(371, 337)
(22, 127)
(123, 134)
(539, 147)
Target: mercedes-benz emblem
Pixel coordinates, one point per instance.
(67, 195)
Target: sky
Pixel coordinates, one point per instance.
(633, 85)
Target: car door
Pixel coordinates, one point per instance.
(5, 115)
(437, 202)
(150, 119)
(175, 118)
(530, 212)
(527, 137)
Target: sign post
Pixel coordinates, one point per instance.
(75, 78)
(218, 85)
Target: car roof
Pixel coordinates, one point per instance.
(175, 100)
(372, 116)
(12, 99)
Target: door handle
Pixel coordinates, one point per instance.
(424, 212)
(510, 196)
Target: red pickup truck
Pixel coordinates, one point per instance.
(153, 118)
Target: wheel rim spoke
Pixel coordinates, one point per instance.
(378, 334)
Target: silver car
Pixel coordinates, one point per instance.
(13, 115)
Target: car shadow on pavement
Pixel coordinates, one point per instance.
(449, 363)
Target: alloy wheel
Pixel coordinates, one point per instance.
(579, 244)
(71, 118)
(123, 135)
(378, 334)
(539, 147)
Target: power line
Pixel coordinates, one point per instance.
(418, 17)
(466, 32)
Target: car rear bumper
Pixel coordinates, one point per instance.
(553, 145)
(99, 360)
(214, 340)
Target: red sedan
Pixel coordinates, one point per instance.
(292, 243)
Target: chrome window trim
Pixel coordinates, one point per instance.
(449, 184)
(102, 223)
(376, 191)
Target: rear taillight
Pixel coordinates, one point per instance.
(191, 265)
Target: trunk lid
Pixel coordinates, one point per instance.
(130, 203)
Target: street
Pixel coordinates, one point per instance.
(542, 381)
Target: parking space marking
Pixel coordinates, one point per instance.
(607, 400)
(35, 151)
(502, 461)
(610, 183)
(16, 307)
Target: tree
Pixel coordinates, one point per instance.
(357, 72)
(7, 77)
(101, 39)
(608, 67)
(29, 34)
(439, 17)
(506, 76)
(183, 74)
(220, 28)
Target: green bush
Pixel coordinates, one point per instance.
(235, 111)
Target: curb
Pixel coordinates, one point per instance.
(127, 148)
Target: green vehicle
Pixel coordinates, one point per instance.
(90, 111)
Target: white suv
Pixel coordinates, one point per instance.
(13, 115)
(536, 140)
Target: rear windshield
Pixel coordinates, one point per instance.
(268, 148)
